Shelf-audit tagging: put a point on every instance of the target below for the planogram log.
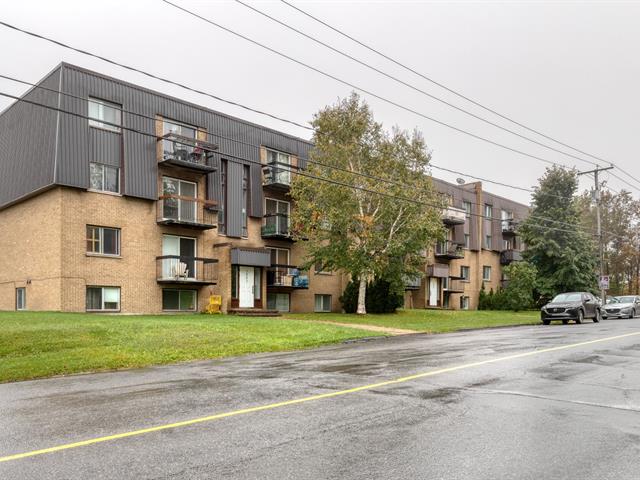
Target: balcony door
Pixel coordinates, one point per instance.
(182, 208)
(281, 166)
(277, 216)
(183, 250)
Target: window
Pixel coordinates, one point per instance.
(179, 257)
(467, 240)
(104, 178)
(222, 212)
(323, 303)
(276, 219)
(103, 298)
(245, 200)
(465, 273)
(280, 163)
(488, 211)
(507, 245)
(464, 303)
(279, 256)
(467, 207)
(487, 242)
(321, 268)
(278, 301)
(179, 202)
(105, 115)
(486, 273)
(103, 240)
(21, 298)
(179, 300)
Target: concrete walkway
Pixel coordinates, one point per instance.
(360, 326)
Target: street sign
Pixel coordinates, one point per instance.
(604, 282)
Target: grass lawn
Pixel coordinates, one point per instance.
(41, 344)
(430, 321)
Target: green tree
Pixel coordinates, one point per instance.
(563, 253)
(353, 223)
(518, 294)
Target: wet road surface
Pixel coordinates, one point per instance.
(565, 413)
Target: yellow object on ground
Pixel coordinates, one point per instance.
(215, 302)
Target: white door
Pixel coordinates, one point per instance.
(170, 246)
(433, 292)
(247, 282)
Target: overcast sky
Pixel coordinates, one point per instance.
(568, 69)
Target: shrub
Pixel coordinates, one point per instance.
(381, 297)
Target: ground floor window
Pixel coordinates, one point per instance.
(103, 299)
(323, 303)
(179, 300)
(464, 303)
(278, 301)
(21, 298)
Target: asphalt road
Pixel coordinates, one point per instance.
(561, 413)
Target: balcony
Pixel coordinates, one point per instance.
(454, 216)
(509, 256)
(412, 282)
(509, 227)
(277, 176)
(188, 153)
(449, 250)
(180, 269)
(276, 226)
(286, 277)
(186, 212)
(452, 285)
(438, 270)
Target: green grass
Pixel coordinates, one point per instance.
(430, 321)
(42, 344)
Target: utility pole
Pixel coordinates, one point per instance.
(603, 292)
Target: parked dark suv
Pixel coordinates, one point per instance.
(571, 306)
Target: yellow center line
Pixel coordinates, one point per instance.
(311, 398)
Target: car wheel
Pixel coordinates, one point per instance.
(546, 322)
(580, 317)
(565, 322)
(596, 319)
(633, 313)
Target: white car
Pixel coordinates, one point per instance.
(625, 306)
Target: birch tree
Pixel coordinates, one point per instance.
(354, 223)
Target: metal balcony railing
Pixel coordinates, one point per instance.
(449, 249)
(277, 175)
(186, 270)
(452, 285)
(186, 152)
(186, 211)
(412, 282)
(286, 276)
(509, 226)
(454, 216)
(275, 225)
(509, 256)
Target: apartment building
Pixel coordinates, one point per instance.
(151, 204)
(481, 238)
(122, 199)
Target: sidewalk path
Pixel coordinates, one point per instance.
(360, 326)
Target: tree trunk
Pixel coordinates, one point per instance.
(362, 293)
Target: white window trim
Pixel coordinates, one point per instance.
(101, 239)
(24, 299)
(106, 192)
(484, 269)
(105, 309)
(467, 278)
(96, 123)
(322, 295)
(194, 309)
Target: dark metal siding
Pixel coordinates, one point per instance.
(251, 257)
(140, 167)
(234, 200)
(105, 147)
(27, 142)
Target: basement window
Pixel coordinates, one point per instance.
(323, 303)
(105, 299)
(21, 298)
(179, 300)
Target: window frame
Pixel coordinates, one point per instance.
(104, 166)
(467, 269)
(485, 269)
(99, 123)
(464, 302)
(315, 302)
(488, 211)
(488, 241)
(180, 291)
(23, 297)
(102, 302)
(100, 241)
(467, 241)
(275, 295)
(468, 207)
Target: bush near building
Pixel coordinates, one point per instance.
(381, 297)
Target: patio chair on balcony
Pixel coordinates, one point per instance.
(180, 271)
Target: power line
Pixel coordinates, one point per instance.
(361, 89)
(458, 94)
(409, 85)
(298, 172)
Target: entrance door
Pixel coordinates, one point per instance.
(434, 292)
(247, 286)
